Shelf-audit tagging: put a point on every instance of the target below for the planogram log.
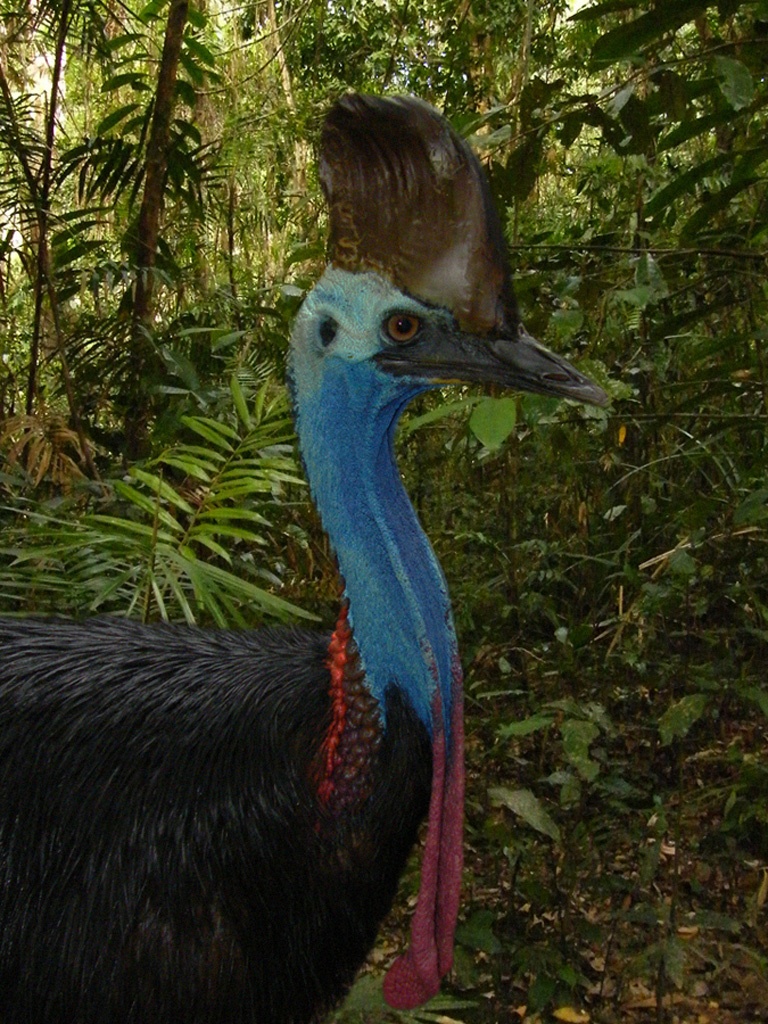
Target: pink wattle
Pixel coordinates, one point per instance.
(415, 976)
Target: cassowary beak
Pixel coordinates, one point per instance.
(519, 362)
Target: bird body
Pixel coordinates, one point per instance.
(163, 852)
(206, 826)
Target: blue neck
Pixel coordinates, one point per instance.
(399, 605)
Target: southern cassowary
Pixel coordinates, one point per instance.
(207, 827)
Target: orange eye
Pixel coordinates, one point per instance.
(402, 327)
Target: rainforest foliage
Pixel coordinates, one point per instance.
(160, 221)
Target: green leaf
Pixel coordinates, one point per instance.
(212, 545)
(736, 82)
(152, 9)
(717, 921)
(119, 41)
(260, 402)
(680, 716)
(639, 297)
(147, 504)
(126, 526)
(476, 933)
(186, 93)
(523, 803)
(223, 339)
(190, 131)
(245, 590)
(241, 488)
(493, 420)
(577, 736)
(159, 600)
(191, 466)
(115, 118)
(197, 19)
(648, 274)
(212, 430)
(221, 514)
(565, 322)
(753, 509)
(180, 366)
(681, 563)
(109, 587)
(631, 37)
(136, 79)
(635, 119)
(674, 961)
(518, 177)
(193, 69)
(203, 530)
(181, 599)
(693, 128)
(681, 185)
(411, 423)
(759, 696)
(594, 11)
(199, 50)
(158, 486)
(240, 403)
(702, 219)
(524, 727)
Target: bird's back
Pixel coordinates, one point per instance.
(164, 851)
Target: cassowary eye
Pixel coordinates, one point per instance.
(402, 327)
(328, 330)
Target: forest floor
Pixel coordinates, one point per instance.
(650, 908)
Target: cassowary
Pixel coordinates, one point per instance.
(207, 827)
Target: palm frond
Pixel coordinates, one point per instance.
(182, 542)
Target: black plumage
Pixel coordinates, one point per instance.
(162, 854)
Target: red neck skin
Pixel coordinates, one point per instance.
(351, 745)
(415, 976)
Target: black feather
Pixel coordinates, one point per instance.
(163, 853)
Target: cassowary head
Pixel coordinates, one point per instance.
(419, 287)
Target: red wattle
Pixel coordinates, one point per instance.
(415, 976)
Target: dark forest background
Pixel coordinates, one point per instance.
(160, 221)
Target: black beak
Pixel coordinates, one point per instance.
(519, 362)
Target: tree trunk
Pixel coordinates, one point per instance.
(149, 223)
(275, 46)
(41, 199)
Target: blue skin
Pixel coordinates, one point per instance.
(346, 411)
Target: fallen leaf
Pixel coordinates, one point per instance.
(762, 892)
(570, 1015)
